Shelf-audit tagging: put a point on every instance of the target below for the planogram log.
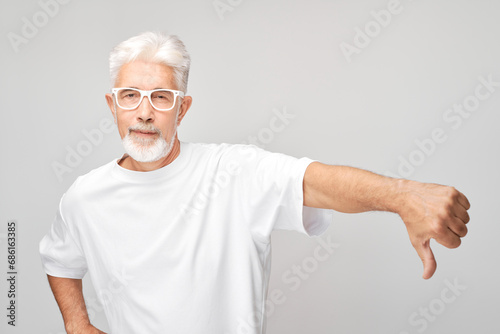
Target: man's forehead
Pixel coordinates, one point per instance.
(143, 73)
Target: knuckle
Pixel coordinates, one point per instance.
(451, 194)
(449, 204)
(444, 214)
(438, 227)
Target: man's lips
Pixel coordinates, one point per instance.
(144, 133)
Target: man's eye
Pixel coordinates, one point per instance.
(162, 96)
(129, 95)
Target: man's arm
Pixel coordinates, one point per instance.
(69, 296)
(428, 210)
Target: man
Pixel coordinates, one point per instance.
(176, 235)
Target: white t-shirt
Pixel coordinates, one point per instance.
(185, 248)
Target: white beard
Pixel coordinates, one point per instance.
(144, 149)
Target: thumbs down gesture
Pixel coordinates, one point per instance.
(433, 211)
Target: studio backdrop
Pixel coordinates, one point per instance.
(403, 88)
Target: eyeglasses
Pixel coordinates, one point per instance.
(160, 99)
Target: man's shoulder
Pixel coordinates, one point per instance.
(246, 160)
(99, 172)
(91, 179)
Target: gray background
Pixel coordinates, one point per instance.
(258, 56)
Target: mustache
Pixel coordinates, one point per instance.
(146, 127)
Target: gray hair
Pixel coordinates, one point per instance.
(153, 47)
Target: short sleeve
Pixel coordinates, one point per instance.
(292, 214)
(275, 195)
(61, 254)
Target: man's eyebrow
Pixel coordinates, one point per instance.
(146, 89)
(130, 87)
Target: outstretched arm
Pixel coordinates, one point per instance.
(428, 210)
(69, 297)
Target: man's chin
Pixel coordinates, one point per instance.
(147, 153)
(145, 158)
(143, 149)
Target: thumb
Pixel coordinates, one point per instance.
(424, 251)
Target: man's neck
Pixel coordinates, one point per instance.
(134, 165)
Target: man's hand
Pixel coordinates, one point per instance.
(433, 211)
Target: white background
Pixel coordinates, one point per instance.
(367, 110)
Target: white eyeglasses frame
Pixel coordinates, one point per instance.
(148, 94)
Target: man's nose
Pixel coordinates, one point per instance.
(145, 110)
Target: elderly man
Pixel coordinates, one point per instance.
(176, 235)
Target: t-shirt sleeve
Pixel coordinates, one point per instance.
(275, 194)
(61, 254)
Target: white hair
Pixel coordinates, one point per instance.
(153, 47)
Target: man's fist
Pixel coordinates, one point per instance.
(433, 211)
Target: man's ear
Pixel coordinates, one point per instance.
(111, 105)
(185, 105)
